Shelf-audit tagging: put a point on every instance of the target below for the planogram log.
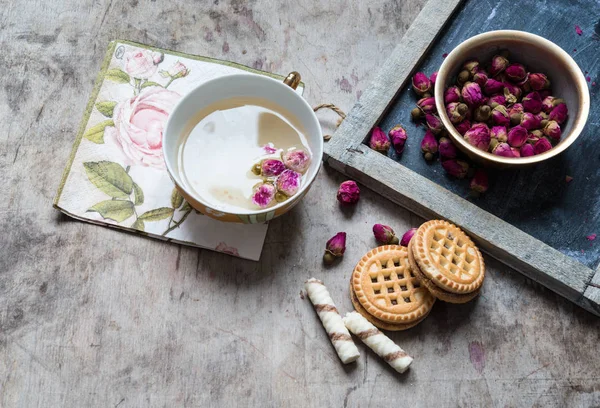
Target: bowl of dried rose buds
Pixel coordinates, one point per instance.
(510, 98)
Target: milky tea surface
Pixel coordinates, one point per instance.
(223, 141)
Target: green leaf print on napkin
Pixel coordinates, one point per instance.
(138, 194)
(110, 178)
(158, 214)
(106, 108)
(117, 75)
(150, 83)
(176, 199)
(138, 225)
(116, 210)
(96, 133)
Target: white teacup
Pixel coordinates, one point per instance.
(241, 86)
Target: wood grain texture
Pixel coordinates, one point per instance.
(427, 192)
(93, 317)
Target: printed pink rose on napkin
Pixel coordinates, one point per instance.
(142, 64)
(139, 123)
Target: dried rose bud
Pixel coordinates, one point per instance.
(493, 144)
(515, 72)
(500, 116)
(482, 113)
(348, 193)
(472, 66)
(457, 111)
(271, 167)
(527, 150)
(559, 113)
(552, 130)
(471, 94)
(463, 77)
(532, 102)
(427, 105)
(456, 168)
(516, 114)
(452, 94)
(433, 78)
(498, 64)
(264, 194)
(530, 121)
(478, 136)
(407, 236)
(545, 93)
(447, 149)
(434, 123)
(288, 182)
(547, 104)
(516, 151)
(421, 84)
(538, 81)
(463, 126)
(542, 145)
(379, 140)
(503, 149)
(398, 137)
(496, 100)
(416, 114)
(385, 235)
(480, 78)
(429, 145)
(499, 133)
(536, 133)
(335, 247)
(517, 136)
(479, 182)
(297, 160)
(512, 93)
(492, 87)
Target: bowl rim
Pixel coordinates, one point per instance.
(581, 85)
(258, 78)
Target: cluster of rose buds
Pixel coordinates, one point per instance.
(381, 142)
(464, 112)
(502, 108)
(281, 179)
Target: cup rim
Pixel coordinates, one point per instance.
(583, 94)
(252, 77)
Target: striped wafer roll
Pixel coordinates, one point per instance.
(332, 321)
(377, 341)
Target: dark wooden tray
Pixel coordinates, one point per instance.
(532, 220)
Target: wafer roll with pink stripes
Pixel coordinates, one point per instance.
(377, 341)
(332, 321)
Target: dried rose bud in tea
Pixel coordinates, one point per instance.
(263, 195)
(385, 235)
(271, 167)
(288, 182)
(297, 160)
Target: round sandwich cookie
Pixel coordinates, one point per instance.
(380, 323)
(386, 289)
(445, 257)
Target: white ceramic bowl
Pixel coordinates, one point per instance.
(538, 55)
(241, 85)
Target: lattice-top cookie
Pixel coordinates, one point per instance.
(386, 287)
(447, 256)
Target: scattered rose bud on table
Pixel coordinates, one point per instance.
(384, 235)
(379, 140)
(348, 193)
(398, 137)
(335, 248)
(479, 182)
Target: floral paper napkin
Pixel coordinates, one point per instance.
(116, 174)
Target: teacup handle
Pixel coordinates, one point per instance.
(292, 80)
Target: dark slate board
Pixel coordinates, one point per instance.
(536, 200)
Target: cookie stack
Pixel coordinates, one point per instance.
(446, 262)
(395, 287)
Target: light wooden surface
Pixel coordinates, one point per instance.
(95, 317)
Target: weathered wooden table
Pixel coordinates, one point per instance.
(95, 317)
